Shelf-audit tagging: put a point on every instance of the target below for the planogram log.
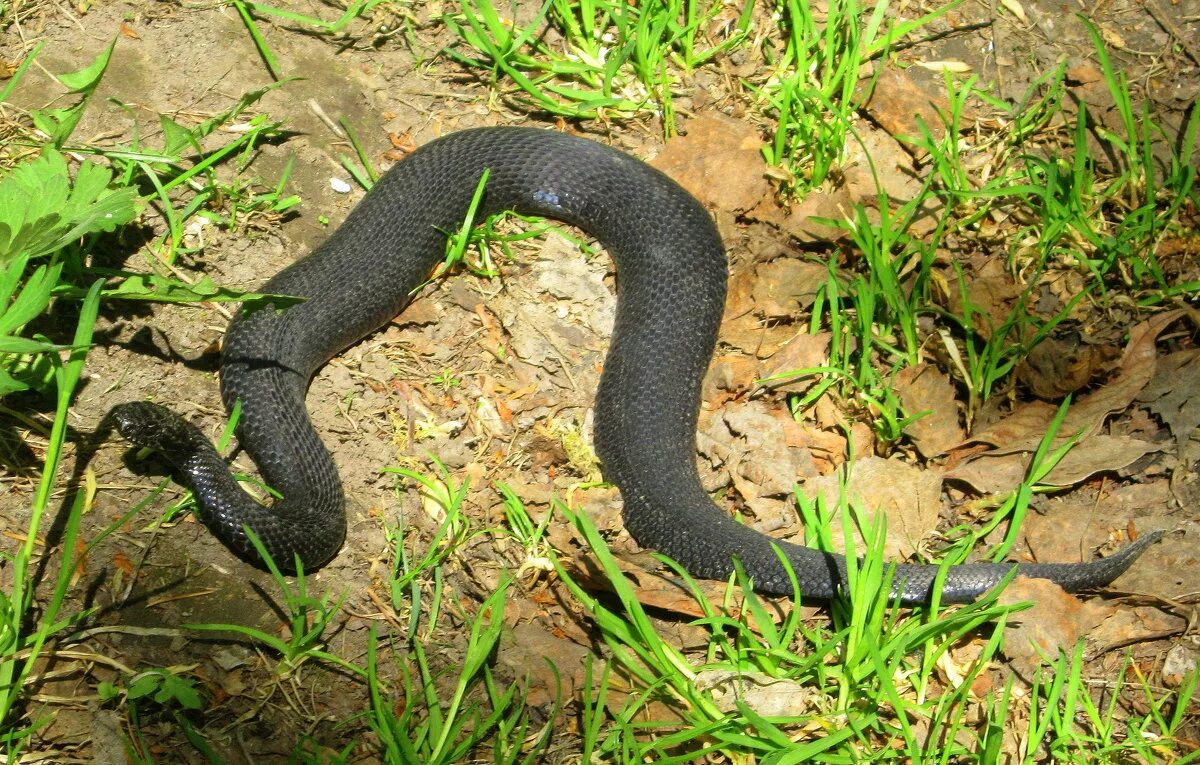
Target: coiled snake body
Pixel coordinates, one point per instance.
(672, 273)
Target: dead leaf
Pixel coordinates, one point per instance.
(1019, 434)
(1129, 625)
(804, 351)
(766, 695)
(992, 292)
(1029, 419)
(900, 105)
(1138, 362)
(1180, 662)
(806, 220)
(1097, 454)
(1054, 624)
(786, 287)
(908, 496)
(718, 161)
(780, 289)
(547, 665)
(732, 373)
(958, 67)
(1016, 9)
(1058, 366)
(996, 472)
(877, 162)
(760, 462)
(1174, 393)
(926, 389)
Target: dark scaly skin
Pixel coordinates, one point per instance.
(672, 273)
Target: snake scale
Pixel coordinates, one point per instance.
(672, 274)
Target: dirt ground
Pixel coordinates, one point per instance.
(435, 365)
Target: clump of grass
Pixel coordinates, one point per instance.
(611, 59)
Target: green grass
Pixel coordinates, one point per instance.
(617, 60)
(864, 681)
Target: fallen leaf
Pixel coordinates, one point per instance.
(958, 67)
(1058, 366)
(900, 105)
(718, 161)
(996, 472)
(1016, 9)
(785, 287)
(806, 220)
(1174, 393)
(760, 461)
(804, 351)
(1138, 362)
(1180, 662)
(992, 293)
(927, 391)
(1028, 419)
(121, 561)
(732, 373)
(1054, 624)
(766, 695)
(1019, 434)
(1131, 625)
(878, 163)
(908, 496)
(547, 665)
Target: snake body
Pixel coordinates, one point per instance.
(672, 276)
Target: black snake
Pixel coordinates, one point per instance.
(672, 274)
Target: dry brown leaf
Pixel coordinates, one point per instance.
(898, 101)
(996, 472)
(766, 695)
(786, 286)
(1055, 623)
(1129, 625)
(548, 665)
(1138, 362)
(1020, 433)
(803, 351)
(1028, 420)
(1016, 9)
(924, 388)
(1100, 453)
(1174, 393)
(1058, 366)
(718, 161)
(908, 496)
(878, 162)
(992, 293)
(803, 220)
(958, 67)
(732, 373)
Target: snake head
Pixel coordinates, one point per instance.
(155, 427)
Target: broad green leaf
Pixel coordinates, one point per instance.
(176, 137)
(40, 212)
(59, 124)
(88, 78)
(31, 301)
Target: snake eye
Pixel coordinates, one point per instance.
(156, 427)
